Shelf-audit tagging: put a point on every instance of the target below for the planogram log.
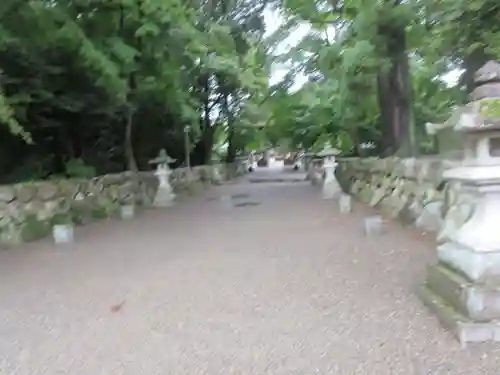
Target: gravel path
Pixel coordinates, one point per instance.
(288, 286)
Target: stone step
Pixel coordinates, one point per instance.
(466, 330)
(479, 302)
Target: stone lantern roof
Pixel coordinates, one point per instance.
(327, 151)
(482, 113)
(162, 158)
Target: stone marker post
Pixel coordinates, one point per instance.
(164, 195)
(463, 288)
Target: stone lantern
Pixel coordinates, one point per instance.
(464, 287)
(164, 195)
(331, 187)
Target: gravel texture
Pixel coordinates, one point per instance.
(287, 287)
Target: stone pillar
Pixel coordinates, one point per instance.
(331, 187)
(463, 288)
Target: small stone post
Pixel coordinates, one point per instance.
(164, 195)
(463, 288)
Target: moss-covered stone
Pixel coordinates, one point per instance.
(32, 228)
(490, 107)
(99, 213)
(61, 218)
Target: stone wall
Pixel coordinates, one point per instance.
(29, 210)
(412, 190)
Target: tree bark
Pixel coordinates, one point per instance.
(394, 95)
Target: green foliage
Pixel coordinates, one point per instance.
(355, 56)
(77, 168)
(89, 87)
(79, 77)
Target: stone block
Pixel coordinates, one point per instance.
(487, 90)
(466, 330)
(479, 267)
(7, 194)
(479, 302)
(345, 204)
(32, 228)
(67, 188)
(63, 233)
(47, 190)
(11, 234)
(456, 216)
(373, 225)
(366, 193)
(127, 212)
(25, 192)
(379, 194)
(430, 218)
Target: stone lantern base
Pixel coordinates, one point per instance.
(467, 308)
(164, 197)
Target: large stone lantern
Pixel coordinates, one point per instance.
(331, 187)
(464, 287)
(164, 195)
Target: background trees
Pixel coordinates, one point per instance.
(93, 86)
(96, 86)
(376, 68)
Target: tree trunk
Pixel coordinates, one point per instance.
(394, 96)
(129, 148)
(387, 141)
(231, 145)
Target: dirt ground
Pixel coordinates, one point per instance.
(282, 283)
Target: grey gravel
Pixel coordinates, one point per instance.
(290, 286)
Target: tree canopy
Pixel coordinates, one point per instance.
(97, 86)
(375, 69)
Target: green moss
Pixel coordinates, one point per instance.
(61, 218)
(99, 213)
(490, 108)
(78, 214)
(33, 228)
